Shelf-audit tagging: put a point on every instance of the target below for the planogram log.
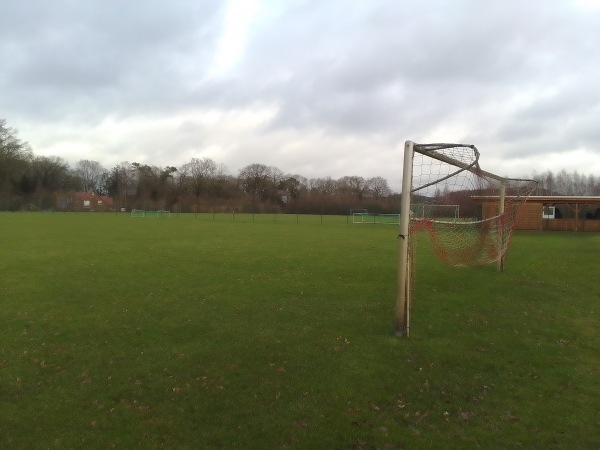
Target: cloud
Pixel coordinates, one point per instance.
(312, 87)
(91, 59)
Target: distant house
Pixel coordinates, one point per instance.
(90, 201)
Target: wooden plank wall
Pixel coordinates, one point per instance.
(530, 218)
(569, 225)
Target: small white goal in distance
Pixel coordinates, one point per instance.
(368, 218)
(151, 214)
(432, 211)
(389, 219)
(362, 217)
(159, 214)
(138, 213)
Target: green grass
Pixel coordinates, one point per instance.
(276, 331)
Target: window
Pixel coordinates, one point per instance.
(548, 212)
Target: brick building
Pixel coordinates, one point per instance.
(90, 201)
(551, 212)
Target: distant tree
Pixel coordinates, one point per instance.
(166, 188)
(593, 185)
(293, 187)
(45, 178)
(166, 174)
(322, 186)
(200, 174)
(204, 182)
(11, 147)
(254, 180)
(567, 183)
(52, 173)
(121, 184)
(564, 185)
(147, 180)
(227, 186)
(549, 182)
(222, 183)
(378, 187)
(181, 184)
(15, 159)
(112, 184)
(275, 186)
(355, 185)
(91, 175)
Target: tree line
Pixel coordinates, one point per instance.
(565, 183)
(30, 182)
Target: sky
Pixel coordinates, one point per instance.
(319, 88)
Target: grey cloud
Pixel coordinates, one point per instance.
(365, 73)
(127, 56)
(563, 120)
(376, 70)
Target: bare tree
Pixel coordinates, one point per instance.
(593, 185)
(378, 187)
(275, 187)
(322, 186)
(204, 177)
(15, 159)
(147, 184)
(357, 186)
(118, 184)
(92, 175)
(254, 180)
(293, 187)
(11, 147)
(199, 172)
(46, 177)
(23, 176)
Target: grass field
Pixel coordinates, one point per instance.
(277, 332)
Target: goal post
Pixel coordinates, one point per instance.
(138, 213)
(424, 210)
(159, 214)
(403, 299)
(363, 217)
(375, 219)
(449, 175)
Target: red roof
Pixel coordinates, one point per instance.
(92, 196)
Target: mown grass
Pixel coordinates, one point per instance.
(277, 332)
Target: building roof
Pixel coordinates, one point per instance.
(92, 196)
(548, 199)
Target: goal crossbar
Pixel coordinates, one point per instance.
(431, 151)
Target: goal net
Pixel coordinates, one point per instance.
(151, 214)
(434, 211)
(363, 217)
(138, 213)
(469, 213)
(368, 218)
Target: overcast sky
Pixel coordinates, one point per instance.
(314, 87)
